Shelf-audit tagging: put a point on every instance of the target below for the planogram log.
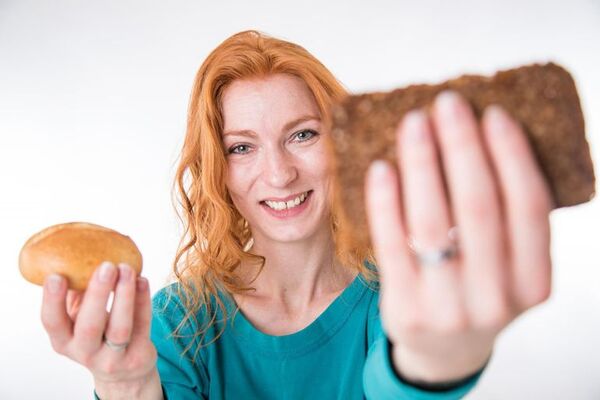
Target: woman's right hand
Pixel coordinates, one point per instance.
(78, 322)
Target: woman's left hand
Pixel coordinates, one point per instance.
(442, 320)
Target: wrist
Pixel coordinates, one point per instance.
(429, 373)
(146, 388)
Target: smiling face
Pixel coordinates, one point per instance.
(276, 154)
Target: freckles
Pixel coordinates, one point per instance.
(317, 158)
(240, 180)
(229, 181)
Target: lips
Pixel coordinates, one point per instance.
(286, 199)
(286, 213)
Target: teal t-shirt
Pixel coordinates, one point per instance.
(343, 354)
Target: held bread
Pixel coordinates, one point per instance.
(74, 250)
(543, 98)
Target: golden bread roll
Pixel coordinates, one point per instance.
(74, 250)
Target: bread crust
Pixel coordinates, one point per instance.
(543, 98)
(74, 250)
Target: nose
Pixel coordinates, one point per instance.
(279, 169)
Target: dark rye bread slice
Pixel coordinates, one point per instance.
(542, 97)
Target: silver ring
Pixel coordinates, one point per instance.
(436, 257)
(119, 347)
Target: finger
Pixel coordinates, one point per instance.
(143, 310)
(527, 205)
(74, 298)
(475, 207)
(92, 316)
(120, 320)
(424, 198)
(428, 216)
(54, 316)
(384, 217)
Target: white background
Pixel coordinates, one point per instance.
(93, 99)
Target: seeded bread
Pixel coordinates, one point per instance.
(543, 98)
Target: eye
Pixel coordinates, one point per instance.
(232, 149)
(306, 134)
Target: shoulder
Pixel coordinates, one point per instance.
(174, 304)
(168, 299)
(374, 327)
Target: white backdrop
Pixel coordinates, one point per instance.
(93, 99)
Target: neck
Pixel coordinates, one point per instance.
(297, 274)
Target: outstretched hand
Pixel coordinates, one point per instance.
(78, 326)
(442, 320)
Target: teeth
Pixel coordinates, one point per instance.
(280, 205)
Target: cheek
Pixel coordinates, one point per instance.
(234, 184)
(318, 174)
(238, 199)
(239, 185)
(322, 173)
(318, 165)
(237, 175)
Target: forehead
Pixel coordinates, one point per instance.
(275, 99)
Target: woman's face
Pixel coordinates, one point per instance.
(278, 176)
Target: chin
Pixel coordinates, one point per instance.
(290, 233)
(290, 237)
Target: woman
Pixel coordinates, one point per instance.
(267, 305)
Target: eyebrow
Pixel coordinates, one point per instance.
(286, 127)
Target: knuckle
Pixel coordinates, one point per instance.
(411, 325)
(461, 144)
(58, 346)
(119, 334)
(452, 324)
(478, 208)
(536, 290)
(49, 323)
(494, 318)
(538, 205)
(124, 294)
(544, 295)
(386, 248)
(85, 358)
(499, 320)
(112, 366)
(419, 156)
(132, 362)
(89, 331)
(431, 232)
(99, 290)
(537, 295)
(136, 360)
(516, 143)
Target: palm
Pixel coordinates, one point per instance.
(446, 317)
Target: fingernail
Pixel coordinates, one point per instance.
(142, 284)
(378, 169)
(107, 270)
(447, 102)
(124, 273)
(415, 127)
(497, 116)
(54, 282)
